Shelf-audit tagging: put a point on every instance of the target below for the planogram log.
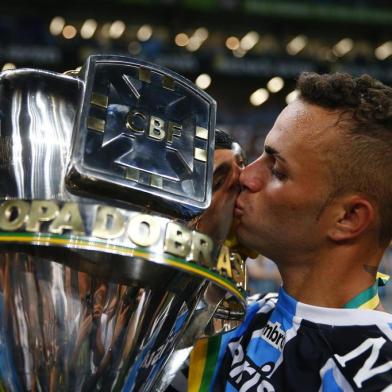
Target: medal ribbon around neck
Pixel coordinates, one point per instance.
(369, 298)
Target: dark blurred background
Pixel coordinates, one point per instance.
(247, 54)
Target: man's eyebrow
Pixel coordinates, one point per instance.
(222, 169)
(271, 151)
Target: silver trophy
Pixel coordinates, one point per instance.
(104, 283)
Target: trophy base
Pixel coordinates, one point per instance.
(67, 330)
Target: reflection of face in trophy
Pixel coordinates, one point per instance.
(216, 311)
(98, 281)
(217, 220)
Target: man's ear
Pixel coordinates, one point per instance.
(353, 215)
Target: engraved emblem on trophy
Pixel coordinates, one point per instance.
(104, 277)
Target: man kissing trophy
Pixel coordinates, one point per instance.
(103, 279)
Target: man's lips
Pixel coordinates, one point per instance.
(238, 209)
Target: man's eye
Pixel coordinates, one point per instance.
(217, 183)
(279, 175)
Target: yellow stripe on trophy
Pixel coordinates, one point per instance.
(105, 246)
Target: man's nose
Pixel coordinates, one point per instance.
(251, 177)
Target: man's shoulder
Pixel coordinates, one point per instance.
(361, 355)
(351, 351)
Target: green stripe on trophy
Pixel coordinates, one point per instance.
(81, 242)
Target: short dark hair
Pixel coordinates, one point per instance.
(363, 159)
(223, 140)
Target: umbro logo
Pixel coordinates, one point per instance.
(273, 334)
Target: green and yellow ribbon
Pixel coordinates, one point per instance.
(369, 298)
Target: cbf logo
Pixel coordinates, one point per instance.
(144, 128)
(156, 128)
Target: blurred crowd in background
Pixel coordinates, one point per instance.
(247, 54)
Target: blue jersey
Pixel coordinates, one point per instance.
(285, 345)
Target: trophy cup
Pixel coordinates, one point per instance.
(103, 280)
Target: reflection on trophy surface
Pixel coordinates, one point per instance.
(108, 254)
(215, 309)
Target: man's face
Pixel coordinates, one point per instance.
(217, 220)
(281, 207)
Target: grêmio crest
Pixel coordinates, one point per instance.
(144, 135)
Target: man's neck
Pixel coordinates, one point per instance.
(333, 279)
